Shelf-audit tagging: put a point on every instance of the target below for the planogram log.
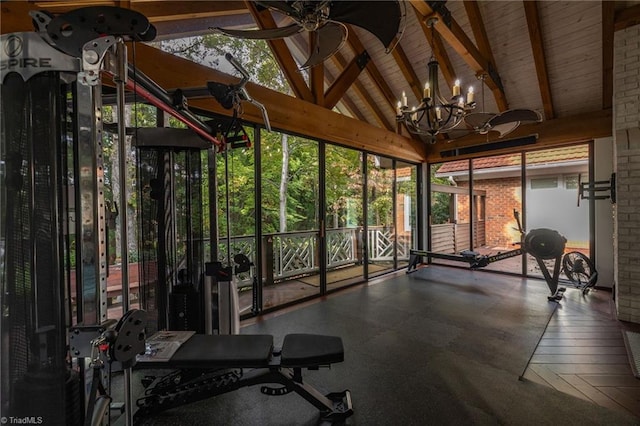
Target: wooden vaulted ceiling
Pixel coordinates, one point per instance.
(555, 57)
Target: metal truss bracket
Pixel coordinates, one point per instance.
(93, 54)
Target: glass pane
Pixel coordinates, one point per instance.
(380, 220)
(406, 211)
(343, 216)
(138, 115)
(562, 166)
(241, 216)
(290, 218)
(497, 194)
(449, 224)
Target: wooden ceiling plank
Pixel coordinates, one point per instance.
(318, 86)
(374, 72)
(161, 11)
(439, 51)
(479, 32)
(282, 54)
(408, 72)
(608, 32)
(537, 46)
(453, 34)
(348, 76)
(363, 93)
(482, 40)
(551, 133)
(626, 18)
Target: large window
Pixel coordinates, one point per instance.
(381, 235)
(290, 218)
(487, 193)
(344, 220)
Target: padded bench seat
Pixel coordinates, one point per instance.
(310, 350)
(212, 351)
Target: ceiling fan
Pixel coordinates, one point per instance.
(328, 19)
(484, 122)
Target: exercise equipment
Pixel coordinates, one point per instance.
(122, 344)
(543, 245)
(210, 365)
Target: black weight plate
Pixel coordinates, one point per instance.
(131, 336)
(72, 30)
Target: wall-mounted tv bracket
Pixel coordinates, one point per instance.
(597, 190)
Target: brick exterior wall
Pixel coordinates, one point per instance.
(503, 195)
(626, 117)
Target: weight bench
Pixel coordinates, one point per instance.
(210, 365)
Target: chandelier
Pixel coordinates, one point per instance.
(436, 113)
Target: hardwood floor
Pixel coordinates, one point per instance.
(582, 353)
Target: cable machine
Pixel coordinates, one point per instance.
(53, 258)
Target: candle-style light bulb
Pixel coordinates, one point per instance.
(470, 95)
(456, 88)
(404, 99)
(399, 109)
(427, 91)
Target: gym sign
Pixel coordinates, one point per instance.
(28, 54)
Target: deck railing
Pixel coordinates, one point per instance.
(294, 254)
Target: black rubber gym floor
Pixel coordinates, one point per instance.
(440, 346)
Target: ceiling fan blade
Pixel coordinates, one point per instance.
(457, 133)
(520, 115)
(331, 37)
(380, 18)
(478, 120)
(505, 128)
(268, 34)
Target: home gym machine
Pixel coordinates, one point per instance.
(55, 335)
(543, 245)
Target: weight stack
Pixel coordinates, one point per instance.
(184, 309)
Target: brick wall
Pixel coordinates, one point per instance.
(503, 195)
(626, 104)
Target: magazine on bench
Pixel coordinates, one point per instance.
(162, 345)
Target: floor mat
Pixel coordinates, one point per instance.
(632, 342)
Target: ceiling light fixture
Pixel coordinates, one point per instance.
(435, 114)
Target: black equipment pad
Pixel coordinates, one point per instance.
(310, 350)
(212, 351)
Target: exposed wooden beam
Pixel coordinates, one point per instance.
(282, 54)
(539, 58)
(608, 18)
(348, 76)
(318, 86)
(373, 72)
(556, 132)
(453, 34)
(628, 17)
(407, 71)
(479, 32)
(364, 94)
(482, 40)
(286, 113)
(15, 14)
